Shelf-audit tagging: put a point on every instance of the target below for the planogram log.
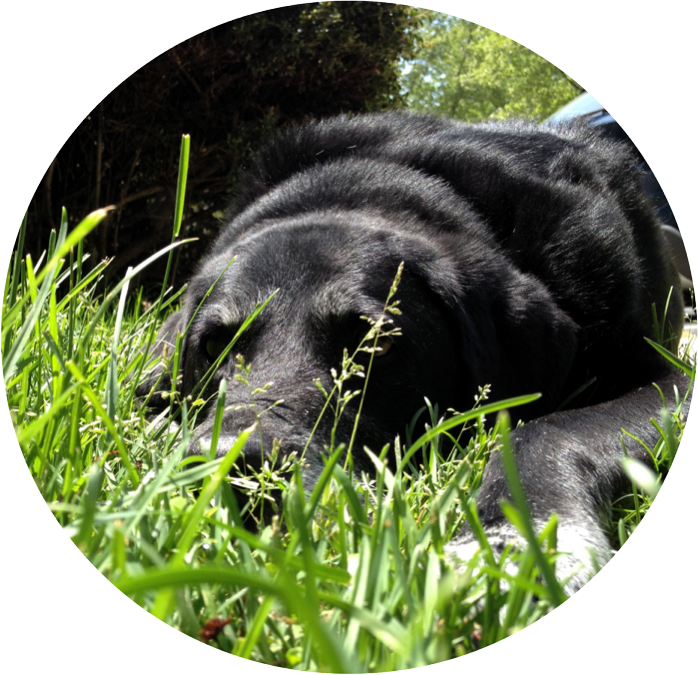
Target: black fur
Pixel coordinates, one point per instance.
(532, 261)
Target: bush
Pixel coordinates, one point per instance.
(229, 88)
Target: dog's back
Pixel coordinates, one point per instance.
(563, 204)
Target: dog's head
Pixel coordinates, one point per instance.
(466, 319)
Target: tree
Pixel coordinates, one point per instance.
(472, 73)
(229, 88)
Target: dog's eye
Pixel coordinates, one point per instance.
(362, 340)
(215, 347)
(383, 345)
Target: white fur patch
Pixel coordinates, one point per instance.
(583, 545)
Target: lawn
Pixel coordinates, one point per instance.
(349, 575)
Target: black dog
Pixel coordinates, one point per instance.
(531, 263)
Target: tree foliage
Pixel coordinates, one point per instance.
(228, 88)
(472, 73)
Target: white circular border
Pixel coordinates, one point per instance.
(60, 59)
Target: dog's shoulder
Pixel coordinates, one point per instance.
(318, 142)
(455, 151)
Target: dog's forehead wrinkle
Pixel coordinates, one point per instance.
(315, 223)
(362, 233)
(279, 267)
(343, 298)
(357, 253)
(218, 313)
(328, 282)
(223, 314)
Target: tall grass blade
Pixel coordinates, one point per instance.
(111, 394)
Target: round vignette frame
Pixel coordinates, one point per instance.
(73, 601)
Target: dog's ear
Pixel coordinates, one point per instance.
(517, 339)
(157, 373)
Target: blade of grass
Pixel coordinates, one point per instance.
(111, 394)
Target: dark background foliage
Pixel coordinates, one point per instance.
(229, 88)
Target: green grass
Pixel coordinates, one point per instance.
(350, 575)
